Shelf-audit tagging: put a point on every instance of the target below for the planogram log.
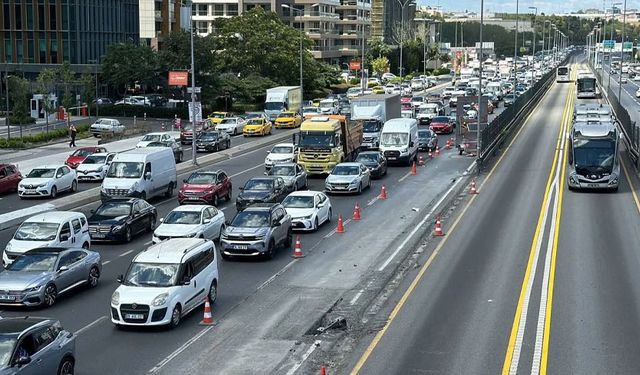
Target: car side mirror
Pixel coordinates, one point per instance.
(206, 221)
(161, 219)
(184, 181)
(275, 223)
(411, 144)
(320, 205)
(23, 361)
(147, 176)
(64, 237)
(186, 280)
(63, 269)
(120, 279)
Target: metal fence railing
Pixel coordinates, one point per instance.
(511, 118)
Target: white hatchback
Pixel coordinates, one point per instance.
(200, 220)
(165, 282)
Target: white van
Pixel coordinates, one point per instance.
(494, 88)
(49, 229)
(141, 172)
(399, 140)
(165, 282)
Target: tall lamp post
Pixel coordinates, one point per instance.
(95, 62)
(402, 6)
(535, 17)
(624, 24)
(613, 7)
(287, 6)
(515, 48)
(194, 159)
(480, 80)
(6, 86)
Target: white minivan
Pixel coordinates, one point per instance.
(166, 282)
(141, 173)
(399, 140)
(49, 229)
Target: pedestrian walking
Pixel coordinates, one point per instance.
(72, 133)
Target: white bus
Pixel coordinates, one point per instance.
(563, 74)
(586, 86)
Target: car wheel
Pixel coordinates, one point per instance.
(315, 225)
(66, 366)
(225, 256)
(152, 224)
(176, 316)
(360, 188)
(235, 132)
(329, 216)
(215, 200)
(213, 292)
(220, 233)
(169, 192)
(217, 148)
(94, 277)
(50, 295)
(74, 186)
(54, 192)
(228, 195)
(289, 240)
(85, 246)
(271, 250)
(127, 234)
(180, 156)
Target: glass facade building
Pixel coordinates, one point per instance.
(55, 31)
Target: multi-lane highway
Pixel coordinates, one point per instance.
(531, 278)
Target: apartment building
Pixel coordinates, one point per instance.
(386, 17)
(157, 19)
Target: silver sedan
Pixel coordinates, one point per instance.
(294, 176)
(39, 276)
(348, 178)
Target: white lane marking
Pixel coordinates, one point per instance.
(273, 277)
(126, 253)
(417, 227)
(356, 297)
(106, 262)
(344, 223)
(405, 176)
(374, 200)
(177, 352)
(81, 330)
(306, 355)
(148, 242)
(38, 208)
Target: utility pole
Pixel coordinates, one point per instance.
(624, 24)
(194, 158)
(480, 81)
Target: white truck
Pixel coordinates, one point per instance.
(373, 111)
(283, 98)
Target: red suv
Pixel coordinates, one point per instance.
(205, 187)
(442, 125)
(78, 156)
(10, 177)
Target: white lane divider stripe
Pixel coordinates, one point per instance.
(306, 355)
(126, 253)
(182, 348)
(95, 322)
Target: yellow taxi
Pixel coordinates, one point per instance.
(316, 102)
(256, 126)
(217, 117)
(378, 90)
(288, 119)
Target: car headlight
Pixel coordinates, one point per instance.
(160, 300)
(42, 185)
(117, 228)
(308, 217)
(115, 298)
(8, 247)
(191, 235)
(34, 289)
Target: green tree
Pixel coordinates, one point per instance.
(126, 64)
(380, 65)
(45, 86)
(18, 97)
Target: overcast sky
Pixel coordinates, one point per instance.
(544, 6)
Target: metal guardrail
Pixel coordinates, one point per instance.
(511, 118)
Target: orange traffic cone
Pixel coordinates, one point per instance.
(420, 161)
(473, 187)
(340, 228)
(208, 319)
(430, 154)
(448, 146)
(438, 231)
(297, 250)
(414, 171)
(323, 371)
(437, 150)
(383, 193)
(356, 212)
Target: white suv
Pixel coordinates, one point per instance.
(166, 282)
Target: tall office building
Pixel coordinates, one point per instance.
(39, 32)
(386, 18)
(157, 19)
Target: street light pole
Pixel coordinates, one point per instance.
(533, 53)
(402, 6)
(287, 6)
(624, 24)
(480, 80)
(194, 159)
(6, 86)
(515, 48)
(613, 7)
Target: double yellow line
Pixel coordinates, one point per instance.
(535, 245)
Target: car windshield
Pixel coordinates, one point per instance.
(258, 185)
(35, 262)
(31, 231)
(327, 104)
(428, 109)
(424, 134)
(152, 138)
(440, 119)
(229, 121)
(201, 178)
(251, 219)
(124, 169)
(42, 173)
(287, 115)
(7, 343)
(82, 152)
(594, 154)
(255, 121)
(182, 217)
(283, 170)
(114, 209)
(394, 139)
(297, 201)
(217, 115)
(417, 99)
(345, 170)
(367, 158)
(310, 110)
(371, 126)
(158, 275)
(316, 139)
(274, 106)
(282, 150)
(93, 159)
(209, 136)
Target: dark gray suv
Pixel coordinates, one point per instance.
(257, 231)
(36, 346)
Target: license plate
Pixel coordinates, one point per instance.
(134, 316)
(30, 191)
(7, 298)
(593, 185)
(241, 247)
(98, 235)
(391, 158)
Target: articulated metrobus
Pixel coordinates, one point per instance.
(586, 86)
(594, 161)
(563, 74)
